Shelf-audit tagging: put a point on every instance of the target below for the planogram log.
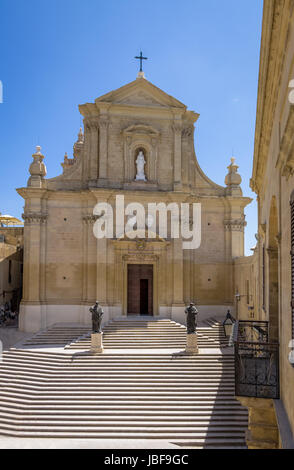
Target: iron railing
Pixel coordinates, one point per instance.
(256, 361)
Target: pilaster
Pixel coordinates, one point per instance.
(177, 128)
(103, 149)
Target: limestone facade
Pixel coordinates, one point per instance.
(66, 269)
(11, 265)
(273, 182)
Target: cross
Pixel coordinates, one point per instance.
(141, 58)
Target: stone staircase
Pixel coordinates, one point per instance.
(62, 393)
(142, 333)
(57, 334)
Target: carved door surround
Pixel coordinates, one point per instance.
(140, 136)
(137, 252)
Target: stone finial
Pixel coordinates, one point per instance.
(233, 179)
(67, 162)
(80, 136)
(37, 170)
(78, 145)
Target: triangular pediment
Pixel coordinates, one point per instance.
(139, 98)
(138, 93)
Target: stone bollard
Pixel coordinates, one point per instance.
(192, 345)
(96, 343)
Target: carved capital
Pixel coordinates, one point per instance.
(90, 219)
(288, 170)
(236, 225)
(187, 132)
(34, 218)
(278, 238)
(104, 123)
(177, 128)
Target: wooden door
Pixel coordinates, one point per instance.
(140, 289)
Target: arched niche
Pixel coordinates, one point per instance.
(138, 137)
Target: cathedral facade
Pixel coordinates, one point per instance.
(138, 142)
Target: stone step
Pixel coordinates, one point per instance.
(121, 414)
(130, 370)
(130, 427)
(207, 438)
(135, 362)
(100, 392)
(209, 406)
(112, 426)
(117, 380)
(49, 355)
(118, 387)
(111, 401)
(170, 358)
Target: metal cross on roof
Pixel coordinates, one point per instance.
(141, 58)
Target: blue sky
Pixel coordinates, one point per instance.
(57, 54)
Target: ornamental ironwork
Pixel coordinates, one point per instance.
(256, 361)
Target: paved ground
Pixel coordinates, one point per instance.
(27, 443)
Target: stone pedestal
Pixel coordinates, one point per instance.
(96, 343)
(192, 345)
(263, 432)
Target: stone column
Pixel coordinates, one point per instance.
(33, 224)
(177, 128)
(31, 318)
(178, 305)
(89, 259)
(93, 170)
(101, 267)
(87, 151)
(103, 150)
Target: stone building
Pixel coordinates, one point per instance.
(66, 268)
(11, 266)
(272, 265)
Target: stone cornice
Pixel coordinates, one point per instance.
(27, 193)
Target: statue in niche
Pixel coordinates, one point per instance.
(140, 163)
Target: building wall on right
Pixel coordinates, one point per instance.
(273, 182)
